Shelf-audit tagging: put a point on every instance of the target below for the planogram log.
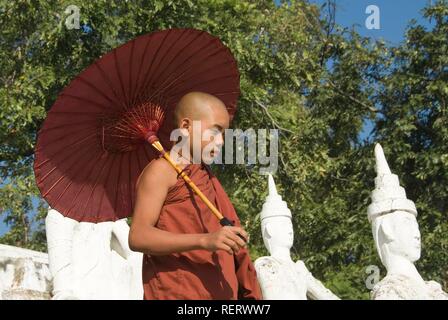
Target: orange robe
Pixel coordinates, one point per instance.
(198, 274)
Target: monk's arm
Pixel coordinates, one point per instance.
(152, 189)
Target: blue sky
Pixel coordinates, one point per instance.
(394, 18)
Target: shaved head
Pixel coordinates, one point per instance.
(209, 116)
(198, 105)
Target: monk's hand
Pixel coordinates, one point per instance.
(226, 239)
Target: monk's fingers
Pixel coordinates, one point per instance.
(240, 231)
(236, 230)
(232, 244)
(234, 237)
(225, 247)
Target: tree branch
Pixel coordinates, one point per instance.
(274, 123)
(353, 99)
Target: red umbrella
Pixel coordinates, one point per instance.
(93, 144)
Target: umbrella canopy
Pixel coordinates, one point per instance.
(90, 149)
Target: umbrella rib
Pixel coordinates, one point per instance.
(161, 87)
(219, 50)
(107, 80)
(152, 62)
(97, 216)
(180, 51)
(152, 77)
(93, 188)
(145, 116)
(120, 78)
(134, 124)
(37, 166)
(173, 81)
(140, 69)
(66, 156)
(98, 90)
(45, 177)
(54, 184)
(76, 162)
(130, 70)
(93, 163)
(63, 191)
(82, 99)
(65, 125)
(65, 146)
(57, 182)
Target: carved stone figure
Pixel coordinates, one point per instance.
(279, 276)
(92, 260)
(397, 239)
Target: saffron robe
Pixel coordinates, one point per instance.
(198, 274)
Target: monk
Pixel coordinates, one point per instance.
(187, 253)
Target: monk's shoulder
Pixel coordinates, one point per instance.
(158, 172)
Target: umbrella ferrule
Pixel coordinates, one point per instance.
(151, 137)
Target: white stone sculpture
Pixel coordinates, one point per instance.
(281, 278)
(92, 260)
(397, 239)
(24, 274)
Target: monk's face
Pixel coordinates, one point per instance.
(202, 119)
(208, 133)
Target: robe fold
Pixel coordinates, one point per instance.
(198, 274)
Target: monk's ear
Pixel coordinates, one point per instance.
(185, 126)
